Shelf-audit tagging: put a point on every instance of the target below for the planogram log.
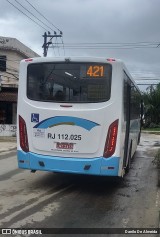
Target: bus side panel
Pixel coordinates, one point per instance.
(134, 134)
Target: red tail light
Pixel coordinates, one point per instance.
(110, 145)
(111, 60)
(23, 135)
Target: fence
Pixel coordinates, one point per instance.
(8, 130)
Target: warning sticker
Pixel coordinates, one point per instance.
(39, 132)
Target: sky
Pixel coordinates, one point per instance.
(125, 29)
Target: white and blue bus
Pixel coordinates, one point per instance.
(77, 115)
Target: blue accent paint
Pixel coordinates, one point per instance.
(53, 121)
(99, 165)
(23, 156)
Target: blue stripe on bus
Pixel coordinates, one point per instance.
(98, 166)
(60, 120)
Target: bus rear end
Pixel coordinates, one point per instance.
(66, 118)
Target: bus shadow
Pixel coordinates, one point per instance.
(97, 185)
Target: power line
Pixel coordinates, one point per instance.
(56, 43)
(12, 74)
(121, 43)
(49, 23)
(36, 18)
(43, 16)
(10, 70)
(113, 43)
(108, 45)
(63, 46)
(33, 15)
(46, 44)
(26, 15)
(102, 48)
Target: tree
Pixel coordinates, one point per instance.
(151, 100)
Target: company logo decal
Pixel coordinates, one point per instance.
(66, 120)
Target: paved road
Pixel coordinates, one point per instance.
(45, 199)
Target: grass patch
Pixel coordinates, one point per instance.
(151, 129)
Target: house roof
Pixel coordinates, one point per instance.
(7, 43)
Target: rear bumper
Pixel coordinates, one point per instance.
(92, 166)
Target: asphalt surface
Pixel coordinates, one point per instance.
(7, 144)
(49, 200)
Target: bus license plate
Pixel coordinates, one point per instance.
(65, 145)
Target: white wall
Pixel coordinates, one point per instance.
(8, 130)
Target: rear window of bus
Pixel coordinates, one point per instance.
(69, 82)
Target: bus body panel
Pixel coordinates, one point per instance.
(91, 129)
(94, 166)
(72, 139)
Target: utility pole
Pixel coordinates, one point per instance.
(46, 44)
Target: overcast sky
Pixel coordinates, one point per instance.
(92, 21)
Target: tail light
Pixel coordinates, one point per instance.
(110, 144)
(23, 135)
(111, 59)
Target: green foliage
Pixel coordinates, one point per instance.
(156, 160)
(151, 100)
(154, 125)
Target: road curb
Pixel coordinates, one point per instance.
(8, 139)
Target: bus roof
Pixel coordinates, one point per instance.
(77, 59)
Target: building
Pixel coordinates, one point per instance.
(12, 52)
